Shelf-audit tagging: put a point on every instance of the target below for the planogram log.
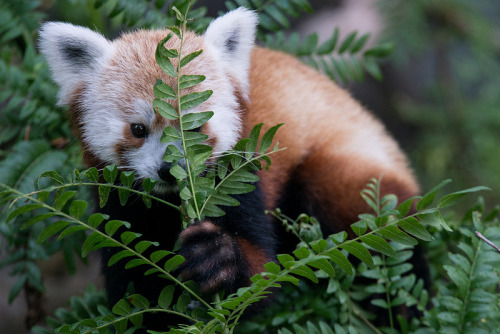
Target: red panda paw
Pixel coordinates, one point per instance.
(214, 259)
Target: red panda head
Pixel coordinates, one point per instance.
(108, 86)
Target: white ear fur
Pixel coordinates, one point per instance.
(232, 36)
(73, 54)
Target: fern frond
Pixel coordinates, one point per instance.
(342, 61)
(470, 303)
(273, 15)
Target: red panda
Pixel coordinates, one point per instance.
(334, 146)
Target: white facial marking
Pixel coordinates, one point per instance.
(80, 57)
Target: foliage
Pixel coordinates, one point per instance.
(322, 270)
(447, 60)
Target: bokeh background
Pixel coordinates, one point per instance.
(440, 97)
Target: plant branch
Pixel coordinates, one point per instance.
(114, 241)
(483, 238)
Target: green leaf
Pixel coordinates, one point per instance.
(305, 271)
(36, 219)
(71, 230)
(380, 303)
(52, 229)
(347, 42)
(165, 109)
(252, 142)
(110, 173)
(173, 263)
(123, 195)
(272, 267)
(191, 100)
(324, 265)
(277, 15)
(358, 251)
(339, 237)
(23, 209)
(234, 188)
(92, 174)
(194, 138)
(412, 226)
(286, 260)
(53, 175)
(127, 237)
(372, 67)
(77, 208)
(127, 178)
(113, 225)
(17, 287)
(195, 120)
(163, 91)
(369, 199)
(328, 46)
(388, 203)
(158, 255)
(139, 301)
(428, 198)
(121, 308)
(90, 243)
(337, 257)
(405, 207)
(359, 43)
(172, 154)
(142, 245)
(175, 30)
(378, 244)
(359, 228)
(120, 255)
(434, 219)
(395, 234)
(148, 185)
(96, 219)
(62, 199)
(178, 14)
(267, 138)
(26, 160)
(450, 199)
(182, 303)
(162, 57)
(187, 81)
(458, 277)
(380, 51)
(178, 172)
(308, 45)
(185, 60)
(135, 263)
(166, 296)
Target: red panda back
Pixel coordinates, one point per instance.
(334, 146)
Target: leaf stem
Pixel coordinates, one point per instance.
(483, 238)
(179, 107)
(149, 310)
(93, 229)
(52, 188)
(235, 170)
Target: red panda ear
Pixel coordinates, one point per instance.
(232, 37)
(73, 54)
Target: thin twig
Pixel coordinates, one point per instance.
(482, 237)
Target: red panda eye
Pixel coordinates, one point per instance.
(138, 130)
(198, 129)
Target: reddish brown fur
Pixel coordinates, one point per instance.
(333, 144)
(328, 137)
(255, 257)
(135, 74)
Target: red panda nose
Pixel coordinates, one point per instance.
(164, 172)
